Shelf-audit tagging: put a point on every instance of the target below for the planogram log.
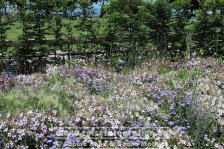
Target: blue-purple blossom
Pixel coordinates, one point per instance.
(53, 147)
(148, 94)
(171, 123)
(180, 128)
(49, 141)
(188, 101)
(166, 119)
(136, 143)
(164, 93)
(172, 107)
(182, 104)
(59, 134)
(154, 126)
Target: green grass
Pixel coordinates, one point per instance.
(16, 30)
(42, 99)
(163, 69)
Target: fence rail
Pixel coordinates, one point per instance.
(13, 43)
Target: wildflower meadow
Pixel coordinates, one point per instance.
(112, 74)
(82, 106)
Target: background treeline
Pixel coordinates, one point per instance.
(126, 31)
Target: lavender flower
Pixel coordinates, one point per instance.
(171, 123)
(187, 100)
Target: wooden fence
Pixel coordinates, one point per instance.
(13, 43)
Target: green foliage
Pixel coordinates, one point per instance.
(161, 13)
(4, 26)
(209, 30)
(202, 124)
(25, 46)
(180, 28)
(87, 26)
(125, 29)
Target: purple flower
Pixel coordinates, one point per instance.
(28, 80)
(203, 110)
(49, 141)
(171, 123)
(159, 103)
(154, 127)
(53, 147)
(188, 101)
(60, 134)
(164, 93)
(156, 96)
(196, 103)
(176, 127)
(136, 143)
(56, 142)
(40, 136)
(180, 128)
(2, 83)
(183, 128)
(65, 145)
(72, 139)
(1, 142)
(181, 96)
(166, 119)
(11, 76)
(50, 136)
(182, 104)
(148, 95)
(174, 94)
(173, 113)
(172, 108)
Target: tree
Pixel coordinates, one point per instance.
(178, 21)
(4, 26)
(161, 14)
(209, 32)
(86, 25)
(124, 28)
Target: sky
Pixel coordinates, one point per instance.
(96, 7)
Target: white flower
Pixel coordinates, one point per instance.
(77, 119)
(182, 142)
(9, 134)
(166, 136)
(149, 118)
(160, 133)
(110, 133)
(146, 136)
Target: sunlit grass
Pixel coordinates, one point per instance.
(16, 30)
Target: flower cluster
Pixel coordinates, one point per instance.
(175, 108)
(35, 80)
(30, 129)
(6, 81)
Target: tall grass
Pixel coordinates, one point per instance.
(42, 99)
